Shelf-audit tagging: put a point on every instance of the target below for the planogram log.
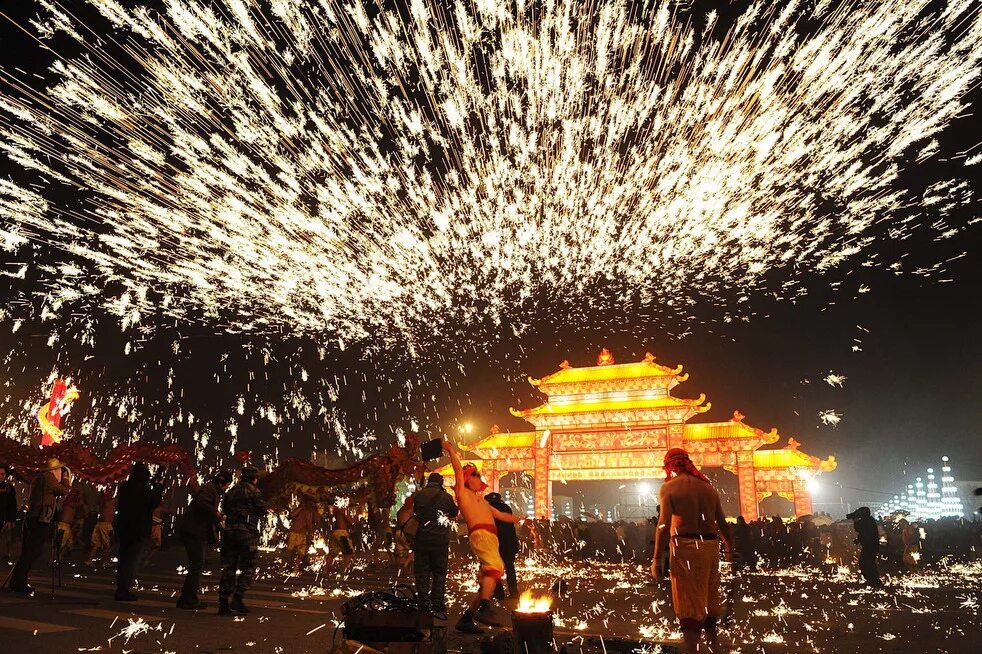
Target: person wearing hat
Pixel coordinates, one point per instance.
(198, 528)
(434, 511)
(244, 508)
(54, 480)
(868, 537)
(482, 536)
(507, 546)
(691, 524)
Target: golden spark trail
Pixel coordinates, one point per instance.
(318, 166)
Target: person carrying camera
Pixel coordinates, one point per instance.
(54, 480)
(868, 538)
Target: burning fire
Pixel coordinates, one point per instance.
(529, 604)
(318, 544)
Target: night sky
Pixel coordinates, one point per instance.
(909, 349)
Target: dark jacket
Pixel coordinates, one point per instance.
(8, 503)
(869, 535)
(430, 505)
(44, 493)
(202, 513)
(244, 508)
(507, 537)
(742, 537)
(134, 507)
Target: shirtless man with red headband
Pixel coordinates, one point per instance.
(483, 539)
(691, 524)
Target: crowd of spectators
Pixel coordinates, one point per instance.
(766, 543)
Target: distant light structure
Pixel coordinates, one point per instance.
(926, 500)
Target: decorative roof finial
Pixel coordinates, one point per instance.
(565, 365)
(495, 429)
(737, 416)
(793, 444)
(605, 358)
(649, 357)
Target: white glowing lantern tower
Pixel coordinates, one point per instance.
(925, 499)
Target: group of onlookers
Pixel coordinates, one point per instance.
(53, 512)
(769, 542)
(58, 512)
(132, 521)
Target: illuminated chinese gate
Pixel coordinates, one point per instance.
(615, 421)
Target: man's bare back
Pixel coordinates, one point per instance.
(692, 505)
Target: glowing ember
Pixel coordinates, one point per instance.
(527, 603)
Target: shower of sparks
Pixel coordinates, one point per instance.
(835, 380)
(830, 417)
(367, 172)
(134, 627)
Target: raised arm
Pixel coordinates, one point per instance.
(457, 469)
(506, 517)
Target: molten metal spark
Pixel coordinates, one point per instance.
(343, 167)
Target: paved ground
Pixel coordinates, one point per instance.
(784, 611)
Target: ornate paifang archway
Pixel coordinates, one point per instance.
(615, 421)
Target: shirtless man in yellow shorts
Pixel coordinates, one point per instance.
(483, 539)
(691, 524)
(102, 534)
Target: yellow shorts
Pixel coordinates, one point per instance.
(297, 540)
(484, 544)
(157, 536)
(66, 535)
(101, 535)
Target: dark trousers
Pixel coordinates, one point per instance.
(35, 533)
(240, 549)
(195, 546)
(430, 567)
(510, 575)
(130, 553)
(867, 566)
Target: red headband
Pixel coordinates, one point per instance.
(677, 461)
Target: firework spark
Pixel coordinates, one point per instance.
(346, 168)
(830, 417)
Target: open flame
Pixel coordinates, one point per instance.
(318, 544)
(529, 604)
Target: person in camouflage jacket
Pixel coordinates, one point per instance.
(244, 509)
